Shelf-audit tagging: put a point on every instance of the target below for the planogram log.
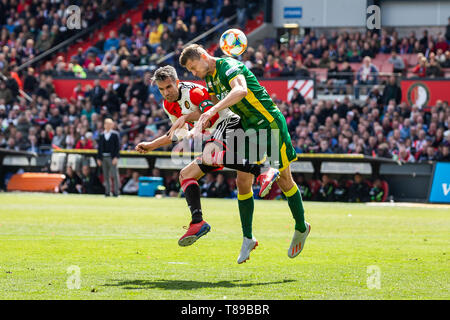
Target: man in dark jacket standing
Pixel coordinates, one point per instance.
(108, 156)
(392, 91)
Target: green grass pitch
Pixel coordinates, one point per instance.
(126, 248)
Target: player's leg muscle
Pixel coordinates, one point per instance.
(286, 182)
(191, 171)
(244, 182)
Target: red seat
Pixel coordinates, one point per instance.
(387, 67)
(382, 57)
(385, 187)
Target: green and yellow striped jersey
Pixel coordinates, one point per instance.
(257, 109)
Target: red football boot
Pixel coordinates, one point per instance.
(195, 231)
(266, 180)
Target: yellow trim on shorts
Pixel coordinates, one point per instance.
(262, 160)
(250, 97)
(284, 158)
(291, 192)
(245, 196)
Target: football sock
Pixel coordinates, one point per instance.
(235, 162)
(296, 205)
(192, 193)
(246, 207)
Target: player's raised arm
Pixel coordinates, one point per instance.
(238, 92)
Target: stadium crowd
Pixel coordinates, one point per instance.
(30, 27)
(380, 126)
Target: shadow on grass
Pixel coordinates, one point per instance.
(186, 284)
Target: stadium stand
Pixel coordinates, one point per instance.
(130, 45)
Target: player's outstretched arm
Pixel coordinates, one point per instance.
(145, 147)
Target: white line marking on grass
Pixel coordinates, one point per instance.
(408, 205)
(177, 262)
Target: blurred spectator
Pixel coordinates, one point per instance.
(219, 189)
(444, 154)
(207, 184)
(90, 182)
(132, 185)
(58, 140)
(126, 29)
(326, 191)
(111, 42)
(359, 190)
(340, 191)
(397, 62)
(304, 188)
(72, 182)
(366, 75)
(173, 185)
(428, 155)
(391, 91)
(376, 193)
(85, 142)
(421, 69)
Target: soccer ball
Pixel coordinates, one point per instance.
(233, 42)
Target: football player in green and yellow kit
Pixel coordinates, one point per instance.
(232, 85)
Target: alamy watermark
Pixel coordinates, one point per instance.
(250, 145)
(74, 280)
(373, 277)
(73, 21)
(374, 17)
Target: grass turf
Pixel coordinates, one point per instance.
(126, 248)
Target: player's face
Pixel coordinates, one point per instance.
(168, 89)
(198, 67)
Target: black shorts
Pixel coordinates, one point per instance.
(224, 131)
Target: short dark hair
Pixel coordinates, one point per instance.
(191, 52)
(163, 73)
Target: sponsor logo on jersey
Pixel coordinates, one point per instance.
(231, 70)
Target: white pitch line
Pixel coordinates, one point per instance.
(408, 205)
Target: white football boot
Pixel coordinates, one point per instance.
(247, 246)
(298, 241)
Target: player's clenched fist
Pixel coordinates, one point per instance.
(144, 147)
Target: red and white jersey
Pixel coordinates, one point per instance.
(191, 96)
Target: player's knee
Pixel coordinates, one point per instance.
(184, 174)
(181, 176)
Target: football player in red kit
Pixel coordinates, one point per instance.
(184, 102)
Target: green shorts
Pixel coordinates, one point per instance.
(272, 143)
